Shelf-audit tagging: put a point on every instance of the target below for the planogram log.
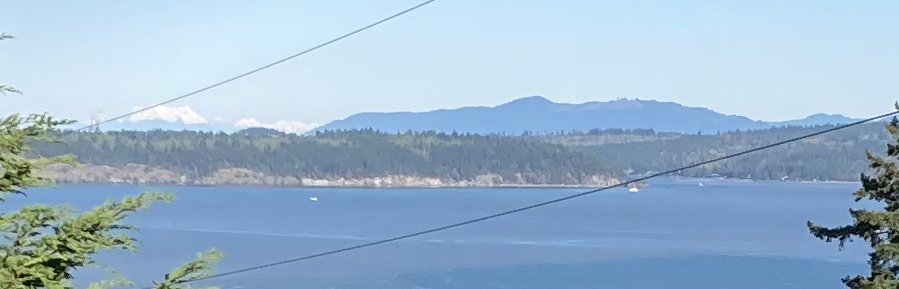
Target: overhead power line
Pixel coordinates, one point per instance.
(267, 66)
(534, 206)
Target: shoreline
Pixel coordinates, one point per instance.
(146, 176)
(420, 187)
(726, 180)
(142, 175)
(535, 186)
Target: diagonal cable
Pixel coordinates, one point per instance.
(267, 66)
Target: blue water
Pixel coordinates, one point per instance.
(670, 235)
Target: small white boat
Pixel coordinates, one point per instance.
(700, 184)
(314, 199)
(633, 190)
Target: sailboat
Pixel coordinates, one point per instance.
(633, 188)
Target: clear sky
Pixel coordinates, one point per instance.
(768, 60)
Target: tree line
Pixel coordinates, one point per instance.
(541, 159)
(335, 154)
(837, 155)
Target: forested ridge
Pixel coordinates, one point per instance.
(333, 155)
(835, 156)
(565, 157)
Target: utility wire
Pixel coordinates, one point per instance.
(485, 218)
(245, 74)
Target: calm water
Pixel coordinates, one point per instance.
(669, 235)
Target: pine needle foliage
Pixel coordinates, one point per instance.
(879, 228)
(43, 245)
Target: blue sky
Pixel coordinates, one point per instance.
(769, 60)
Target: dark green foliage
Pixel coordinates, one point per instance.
(43, 245)
(17, 171)
(879, 228)
(336, 154)
(596, 136)
(833, 156)
(559, 158)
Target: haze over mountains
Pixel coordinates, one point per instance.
(540, 115)
(535, 113)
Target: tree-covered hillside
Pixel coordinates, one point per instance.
(565, 157)
(337, 154)
(838, 155)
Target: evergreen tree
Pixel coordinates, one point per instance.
(879, 228)
(44, 245)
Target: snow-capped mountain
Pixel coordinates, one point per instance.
(184, 118)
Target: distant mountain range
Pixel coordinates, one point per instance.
(535, 113)
(184, 118)
(540, 115)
